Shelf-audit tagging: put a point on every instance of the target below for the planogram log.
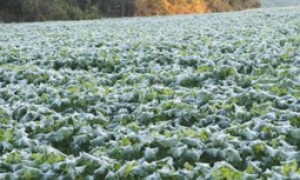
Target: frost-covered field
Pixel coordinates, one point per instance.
(199, 96)
(280, 3)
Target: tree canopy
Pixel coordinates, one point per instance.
(40, 10)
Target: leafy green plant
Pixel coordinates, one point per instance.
(140, 99)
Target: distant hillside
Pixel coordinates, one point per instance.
(280, 3)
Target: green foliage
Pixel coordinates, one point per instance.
(42, 10)
(225, 172)
(140, 99)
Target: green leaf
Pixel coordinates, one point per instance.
(128, 170)
(233, 155)
(204, 135)
(291, 167)
(73, 89)
(117, 166)
(188, 166)
(14, 157)
(44, 97)
(32, 173)
(125, 142)
(202, 69)
(150, 153)
(294, 136)
(168, 142)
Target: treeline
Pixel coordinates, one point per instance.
(41, 10)
(156, 7)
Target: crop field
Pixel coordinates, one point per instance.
(213, 96)
(280, 3)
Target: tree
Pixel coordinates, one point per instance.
(40, 10)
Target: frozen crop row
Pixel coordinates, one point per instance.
(212, 96)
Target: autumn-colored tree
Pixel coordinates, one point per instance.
(162, 7)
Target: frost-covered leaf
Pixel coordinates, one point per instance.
(140, 99)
